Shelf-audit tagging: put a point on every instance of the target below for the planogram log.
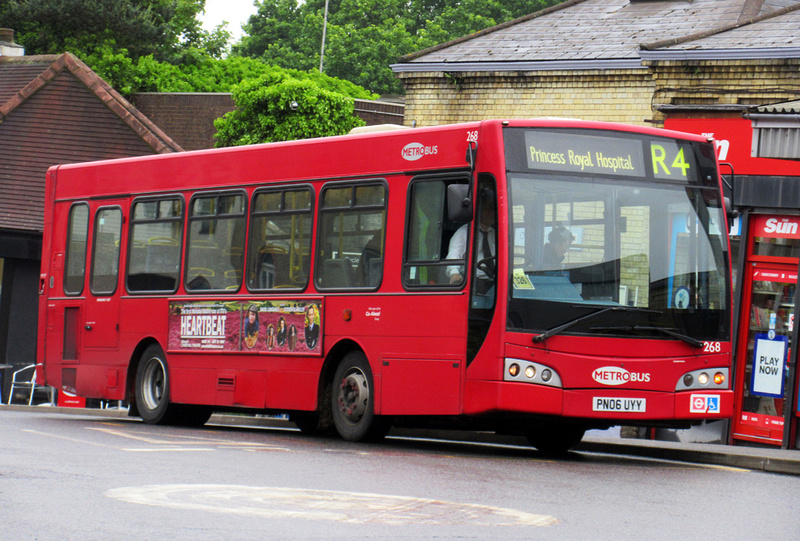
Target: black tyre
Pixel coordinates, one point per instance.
(556, 439)
(190, 415)
(152, 387)
(308, 422)
(352, 401)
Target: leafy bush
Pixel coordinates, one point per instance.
(264, 112)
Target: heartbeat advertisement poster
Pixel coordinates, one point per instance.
(277, 326)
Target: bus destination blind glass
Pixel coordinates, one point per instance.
(281, 327)
(619, 156)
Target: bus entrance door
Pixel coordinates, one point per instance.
(101, 327)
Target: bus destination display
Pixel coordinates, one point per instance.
(617, 156)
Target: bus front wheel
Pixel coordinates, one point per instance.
(554, 438)
(152, 386)
(352, 401)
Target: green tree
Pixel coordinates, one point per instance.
(166, 29)
(203, 75)
(364, 37)
(268, 110)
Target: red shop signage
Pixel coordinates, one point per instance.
(778, 227)
(734, 140)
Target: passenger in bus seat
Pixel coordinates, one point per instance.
(198, 282)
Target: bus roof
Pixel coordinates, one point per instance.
(354, 155)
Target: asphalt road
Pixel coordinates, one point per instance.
(92, 478)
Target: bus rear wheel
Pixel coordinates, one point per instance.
(352, 401)
(152, 387)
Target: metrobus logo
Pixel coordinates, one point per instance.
(614, 375)
(414, 151)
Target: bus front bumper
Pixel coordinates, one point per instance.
(624, 405)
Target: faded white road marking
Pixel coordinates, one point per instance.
(346, 507)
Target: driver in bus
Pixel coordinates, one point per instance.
(558, 242)
(486, 247)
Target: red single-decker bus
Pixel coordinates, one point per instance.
(533, 277)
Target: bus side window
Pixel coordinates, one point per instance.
(280, 239)
(215, 242)
(429, 236)
(77, 235)
(352, 231)
(155, 245)
(105, 251)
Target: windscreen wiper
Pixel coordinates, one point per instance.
(614, 308)
(694, 342)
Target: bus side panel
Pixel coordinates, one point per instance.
(421, 386)
(293, 390)
(415, 345)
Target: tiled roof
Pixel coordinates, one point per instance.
(53, 110)
(783, 108)
(581, 30)
(779, 29)
(22, 76)
(14, 76)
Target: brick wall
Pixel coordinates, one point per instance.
(379, 112)
(611, 95)
(630, 96)
(717, 83)
(188, 118)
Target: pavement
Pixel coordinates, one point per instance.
(772, 460)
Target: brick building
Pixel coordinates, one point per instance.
(613, 60)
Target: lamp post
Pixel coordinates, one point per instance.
(324, 30)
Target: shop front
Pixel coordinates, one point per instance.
(765, 246)
(766, 325)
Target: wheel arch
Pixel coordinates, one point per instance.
(133, 366)
(332, 360)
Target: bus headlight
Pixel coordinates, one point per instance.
(530, 372)
(700, 379)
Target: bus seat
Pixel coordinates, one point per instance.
(162, 258)
(168, 241)
(233, 278)
(336, 273)
(375, 272)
